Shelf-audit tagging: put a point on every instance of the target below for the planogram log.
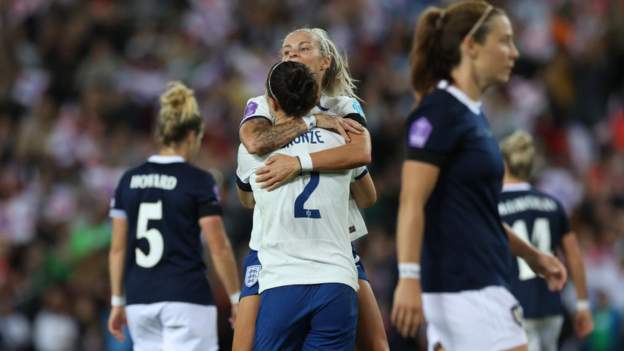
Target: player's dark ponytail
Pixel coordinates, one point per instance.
(293, 87)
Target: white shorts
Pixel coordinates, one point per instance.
(543, 333)
(479, 320)
(173, 326)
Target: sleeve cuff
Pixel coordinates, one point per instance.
(242, 185)
(210, 209)
(357, 117)
(426, 156)
(117, 213)
(364, 172)
(253, 117)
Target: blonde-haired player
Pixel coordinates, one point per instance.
(540, 220)
(160, 211)
(337, 109)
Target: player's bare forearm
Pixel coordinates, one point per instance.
(418, 180)
(117, 255)
(246, 198)
(354, 154)
(225, 266)
(363, 192)
(518, 247)
(221, 252)
(573, 256)
(410, 226)
(261, 137)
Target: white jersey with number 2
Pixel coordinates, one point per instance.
(304, 224)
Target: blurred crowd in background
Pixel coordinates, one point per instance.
(79, 87)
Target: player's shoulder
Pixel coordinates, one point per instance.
(546, 197)
(341, 104)
(440, 106)
(260, 100)
(257, 105)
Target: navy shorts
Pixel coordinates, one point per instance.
(252, 266)
(307, 317)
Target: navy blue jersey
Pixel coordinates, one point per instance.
(163, 200)
(465, 246)
(540, 220)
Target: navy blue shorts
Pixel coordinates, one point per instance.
(307, 317)
(252, 266)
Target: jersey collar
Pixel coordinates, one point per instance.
(516, 187)
(165, 159)
(474, 106)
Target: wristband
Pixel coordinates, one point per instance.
(118, 300)
(310, 121)
(409, 270)
(582, 305)
(234, 297)
(306, 163)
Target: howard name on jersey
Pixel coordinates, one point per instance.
(162, 200)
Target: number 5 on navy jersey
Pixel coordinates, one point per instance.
(149, 211)
(300, 211)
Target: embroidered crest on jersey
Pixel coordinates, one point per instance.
(516, 312)
(357, 107)
(419, 132)
(251, 275)
(250, 109)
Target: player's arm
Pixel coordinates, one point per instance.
(260, 136)
(116, 259)
(363, 191)
(547, 266)
(583, 321)
(418, 180)
(354, 154)
(246, 198)
(221, 252)
(280, 169)
(245, 194)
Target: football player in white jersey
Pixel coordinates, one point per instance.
(308, 280)
(260, 135)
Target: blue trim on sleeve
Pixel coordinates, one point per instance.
(242, 185)
(364, 172)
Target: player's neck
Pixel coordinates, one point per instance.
(509, 179)
(181, 151)
(465, 80)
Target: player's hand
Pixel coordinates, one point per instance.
(551, 269)
(407, 310)
(583, 323)
(116, 322)
(233, 314)
(342, 126)
(277, 170)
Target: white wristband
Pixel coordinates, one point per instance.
(234, 298)
(306, 163)
(409, 270)
(582, 305)
(117, 300)
(310, 121)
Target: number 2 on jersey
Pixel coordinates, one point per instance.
(540, 239)
(149, 211)
(300, 211)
